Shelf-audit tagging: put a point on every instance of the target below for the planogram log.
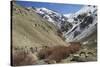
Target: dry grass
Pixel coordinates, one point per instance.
(21, 57)
(58, 53)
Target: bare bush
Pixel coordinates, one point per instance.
(58, 53)
(22, 58)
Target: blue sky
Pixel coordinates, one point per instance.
(61, 8)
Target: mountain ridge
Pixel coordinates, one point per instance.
(73, 19)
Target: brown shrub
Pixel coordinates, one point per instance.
(44, 53)
(58, 53)
(22, 58)
(75, 46)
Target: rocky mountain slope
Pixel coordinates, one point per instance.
(76, 26)
(28, 28)
(52, 16)
(84, 24)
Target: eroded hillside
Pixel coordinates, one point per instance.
(29, 29)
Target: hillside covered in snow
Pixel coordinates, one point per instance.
(84, 24)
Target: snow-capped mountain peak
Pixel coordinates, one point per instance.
(84, 23)
(87, 9)
(51, 16)
(68, 15)
(74, 26)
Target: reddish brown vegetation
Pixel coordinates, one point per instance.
(75, 46)
(48, 54)
(22, 58)
(58, 53)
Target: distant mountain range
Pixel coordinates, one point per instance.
(74, 27)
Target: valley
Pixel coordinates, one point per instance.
(43, 36)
